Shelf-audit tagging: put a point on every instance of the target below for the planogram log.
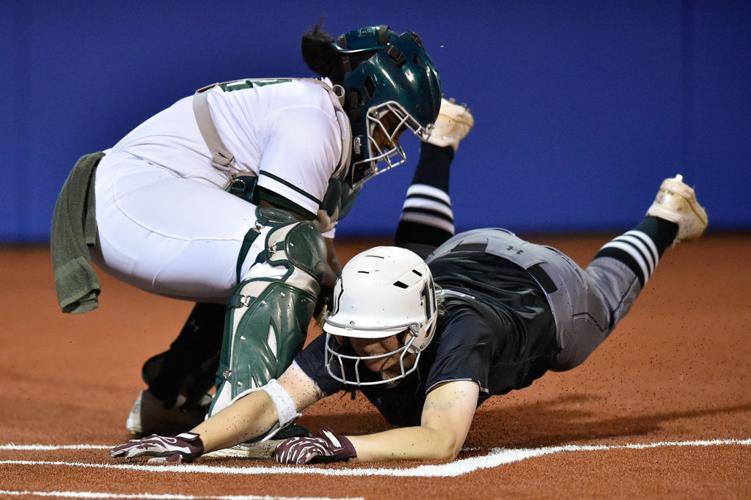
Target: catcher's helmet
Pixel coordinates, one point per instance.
(382, 292)
(400, 81)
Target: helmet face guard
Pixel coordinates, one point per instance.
(339, 364)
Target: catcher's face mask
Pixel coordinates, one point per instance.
(385, 123)
(398, 80)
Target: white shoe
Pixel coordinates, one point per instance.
(452, 125)
(149, 416)
(676, 202)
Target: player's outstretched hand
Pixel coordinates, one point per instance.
(326, 447)
(182, 448)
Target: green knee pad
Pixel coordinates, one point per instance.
(267, 319)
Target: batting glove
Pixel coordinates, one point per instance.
(327, 447)
(182, 448)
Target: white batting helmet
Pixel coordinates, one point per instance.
(383, 291)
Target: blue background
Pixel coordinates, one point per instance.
(581, 107)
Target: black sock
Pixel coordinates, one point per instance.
(661, 231)
(190, 364)
(641, 248)
(427, 217)
(434, 166)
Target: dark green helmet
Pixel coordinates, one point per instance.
(396, 88)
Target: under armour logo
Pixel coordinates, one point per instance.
(245, 300)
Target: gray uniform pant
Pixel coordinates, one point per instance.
(587, 303)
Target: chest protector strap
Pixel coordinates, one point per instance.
(242, 183)
(223, 159)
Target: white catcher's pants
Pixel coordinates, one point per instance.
(170, 235)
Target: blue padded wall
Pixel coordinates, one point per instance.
(581, 106)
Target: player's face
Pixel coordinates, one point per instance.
(367, 347)
(387, 140)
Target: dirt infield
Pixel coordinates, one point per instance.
(674, 379)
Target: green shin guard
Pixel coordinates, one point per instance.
(267, 318)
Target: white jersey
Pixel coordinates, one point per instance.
(165, 222)
(283, 130)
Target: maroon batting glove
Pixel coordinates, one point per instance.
(182, 448)
(326, 447)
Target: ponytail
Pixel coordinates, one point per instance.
(320, 55)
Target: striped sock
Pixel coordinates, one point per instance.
(429, 206)
(427, 217)
(641, 248)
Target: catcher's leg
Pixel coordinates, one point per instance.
(187, 368)
(268, 314)
(179, 378)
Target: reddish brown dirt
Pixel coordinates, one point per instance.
(676, 369)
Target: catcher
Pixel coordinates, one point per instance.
(229, 197)
(428, 341)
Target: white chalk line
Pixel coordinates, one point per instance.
(496, 457)
(156, 496)
(51, 447)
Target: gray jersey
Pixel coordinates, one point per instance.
(586, 303)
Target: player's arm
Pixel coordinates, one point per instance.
(269, 199)
(446, 419)
(298, 159)
(245, 419)
(334, 269)
(254, 414)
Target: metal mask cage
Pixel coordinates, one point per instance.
(340, 359)
(384, 158)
